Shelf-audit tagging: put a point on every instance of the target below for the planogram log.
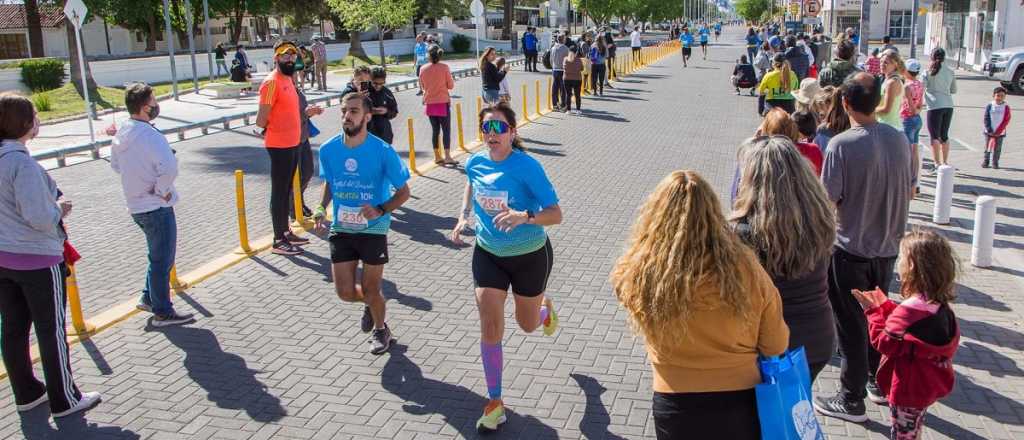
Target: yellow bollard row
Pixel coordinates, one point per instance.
(537, 96)
(78, 323)
(243, 228)
(412, 149)
(458, 119)
(526, 111)
(297, 197)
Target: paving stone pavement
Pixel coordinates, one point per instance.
(276, 355)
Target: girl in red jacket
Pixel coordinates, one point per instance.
(918, 337)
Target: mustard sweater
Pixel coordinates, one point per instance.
(719, 351)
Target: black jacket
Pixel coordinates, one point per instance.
(798, 61)
(492, 76)
(805, 307)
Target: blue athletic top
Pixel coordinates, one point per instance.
(753, 40)
(529, 42)
(686, 39)
(518, 183)
(364, 175)
(421, 53)
(704, 35)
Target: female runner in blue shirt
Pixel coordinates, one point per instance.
(512, 200)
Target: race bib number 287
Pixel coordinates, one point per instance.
(492, 202)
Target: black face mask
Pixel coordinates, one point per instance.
(154, 111)
(286, 68)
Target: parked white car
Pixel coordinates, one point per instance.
(1007, 66)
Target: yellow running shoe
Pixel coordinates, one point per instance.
(550, 324)
(494, 415)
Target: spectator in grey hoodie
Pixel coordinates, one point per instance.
(558, 54)
(32, 269)
(146, 163)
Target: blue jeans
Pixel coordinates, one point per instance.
(912, 128)
(161, 231)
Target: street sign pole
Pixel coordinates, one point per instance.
(191, 46)
(77, 11)
(169, 37)
(206, 36)
(913, 28)
(479, 14)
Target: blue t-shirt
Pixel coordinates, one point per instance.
(704, 35)
(364, 175)
(421, 53)
(686, 39)
(518, 183)
(718, 27)
(753, 40)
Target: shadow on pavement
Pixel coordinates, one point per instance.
(604, 116)
(951, 430)
(457, 405)
(545, 152)
(980, 357)
(594, 424)
(991, 334)
(227, 380)
(648, 75)
(97, 357)
(423, 227)
(251, 159)
(390, 291)
(312, 261)
(977, 298)
(35, 425)
(530, 141)
(971, 398)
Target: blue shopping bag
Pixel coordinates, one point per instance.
(784, 398)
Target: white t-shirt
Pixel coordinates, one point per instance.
(503, 88)
(634, 39)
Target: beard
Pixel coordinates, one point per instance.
(286, 68)
(353, 130)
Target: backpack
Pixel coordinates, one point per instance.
(546, 59)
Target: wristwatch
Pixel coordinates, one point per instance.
(530, 217)
(381, 208)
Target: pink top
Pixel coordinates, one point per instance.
(874, 66)
(912, 98)
(435, 81)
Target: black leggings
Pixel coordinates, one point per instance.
(597, 78)
(789, 105)
(939, 121)
(572, 88)
(441, 125)
(724, 414)
(305, 161)
(282, 170)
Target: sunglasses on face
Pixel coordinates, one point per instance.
(494, 126)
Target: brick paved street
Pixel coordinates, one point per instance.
(276, 355)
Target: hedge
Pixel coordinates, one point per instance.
(42, 74)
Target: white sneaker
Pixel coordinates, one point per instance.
(89, 400)
(29, 406)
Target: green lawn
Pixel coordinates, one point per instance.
(405, 62)
(66, 102)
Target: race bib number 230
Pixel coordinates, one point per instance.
(351, 217)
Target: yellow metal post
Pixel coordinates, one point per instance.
(412, 149)
(78, 323)
(548, 94)
(175, 283)
(297, 196)
(243, 228)
(479, 108)
(537, 95)
(458, 119)
(526, 99)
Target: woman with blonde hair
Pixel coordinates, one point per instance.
(782, 212)
(888, 110)
(706, 309)
(778, 85)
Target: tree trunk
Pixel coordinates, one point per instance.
(76, 72)
(236, 32)
(151, 32)
(506, 30)
(380, 45)
(355, 48)
(35, 30)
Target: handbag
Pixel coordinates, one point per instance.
(784, 398)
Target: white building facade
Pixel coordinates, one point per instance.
(969, 30)
(888, 17)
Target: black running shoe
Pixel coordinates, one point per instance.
(366, 324)
(283, 247)
(838, 407)
(380, 341)
(874, 394)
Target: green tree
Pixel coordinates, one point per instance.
(752, 10)
(385, 15)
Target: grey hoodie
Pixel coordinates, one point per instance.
(558, 54)
(29, 214)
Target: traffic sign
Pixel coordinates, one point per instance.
(476, 8)
(812, 8)
(75, 10)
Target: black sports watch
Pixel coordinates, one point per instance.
(381, 208)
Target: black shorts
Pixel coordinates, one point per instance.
(368, 248)
(939, 121)
(687, 51)
(527, 273)
(703, 44)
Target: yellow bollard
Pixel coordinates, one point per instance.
(526, 103)
(537, 96)
(243, 228)
(297, 196)
(548, 94)
(79, 326)
(412, 149)
(479, 108)
(584, 88)
(175, 283)
(458, 119)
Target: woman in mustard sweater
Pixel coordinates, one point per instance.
(706, 308)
